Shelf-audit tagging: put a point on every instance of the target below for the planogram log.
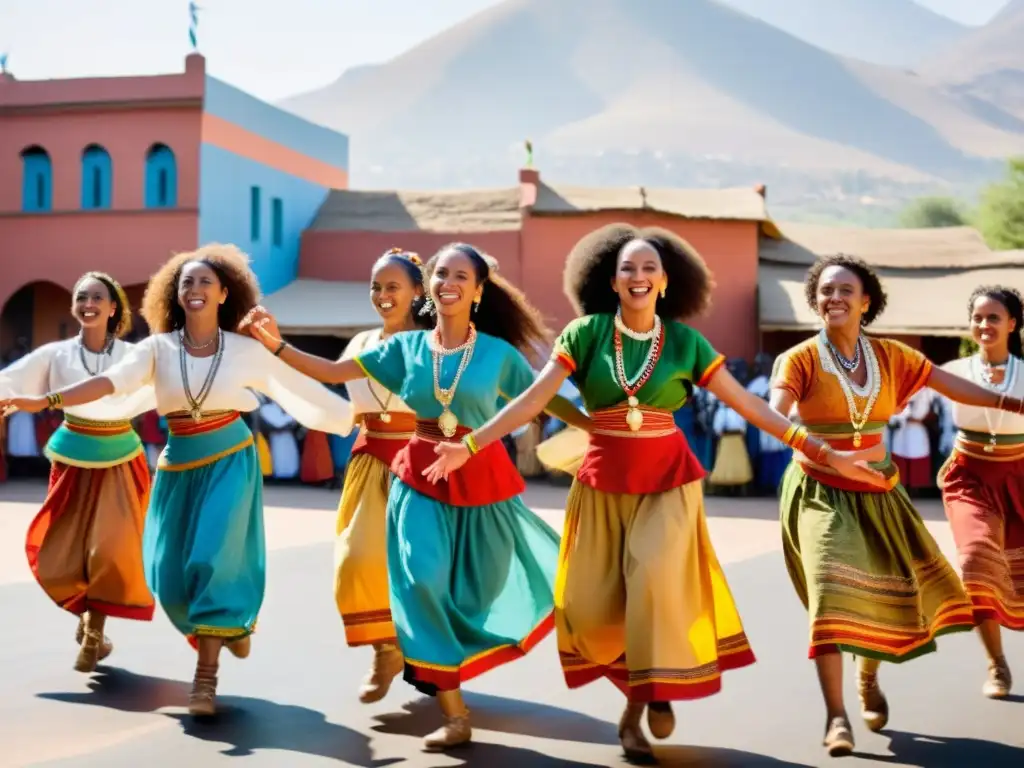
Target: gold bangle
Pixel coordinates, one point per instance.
(54, 400)
(787, 436)
(800, 439)
(471, 445)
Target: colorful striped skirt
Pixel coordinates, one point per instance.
(361, 589)
(871, 576)
(85, 544)
(204, 540)
(984, 498)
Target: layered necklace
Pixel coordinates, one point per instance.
(631, 385)
(868, 394)
(196, 402)
(384, 416)
(108, 345)
(983, 373)
(448, 422)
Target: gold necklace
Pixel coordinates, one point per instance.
(448, 422)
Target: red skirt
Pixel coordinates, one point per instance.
(915, 473)
(984, 503)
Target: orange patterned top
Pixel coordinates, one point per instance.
(810, 374)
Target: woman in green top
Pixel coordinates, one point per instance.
(640, 597)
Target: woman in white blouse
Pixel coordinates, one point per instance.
(204, 543)
(85, 545)
(361, 563)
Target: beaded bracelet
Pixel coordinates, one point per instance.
(471, 445)
(54, 400)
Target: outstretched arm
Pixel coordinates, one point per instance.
(262, 326)
(964, 391)
(84, 392)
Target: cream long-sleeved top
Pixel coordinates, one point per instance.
(361, 391)
(246, 365)
(59, 364)
(987, 420)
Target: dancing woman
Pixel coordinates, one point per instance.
(204, 544)
(640, 596)
(982, 482)
(872, 578)
(85, 545)
(361, 564)
(471, 568)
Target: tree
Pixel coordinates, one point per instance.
(1001, 213)
(928, 212)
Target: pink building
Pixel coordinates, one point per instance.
(116, 174)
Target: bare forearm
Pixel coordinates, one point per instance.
(967, 392)
(541, 395)
(320, 368)
(564, 410)
(87, 391)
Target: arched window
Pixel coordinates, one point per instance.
(97, 172)
(36, 180)
(161, 177)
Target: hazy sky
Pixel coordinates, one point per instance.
(269, 48)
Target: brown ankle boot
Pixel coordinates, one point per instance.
(661, 719)
(202, 702)
(388, 662)
(874, 707)
(93, 649)
(635, 745)
(999, 679)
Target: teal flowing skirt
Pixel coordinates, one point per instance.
(471, 587)
(205, 548)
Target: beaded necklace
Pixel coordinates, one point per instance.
(630, 386)
(982, 373)
(196, 402)
(872, 387)
(448, 422)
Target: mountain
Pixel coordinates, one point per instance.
(894, 32)
(671, 92)
(988, 62)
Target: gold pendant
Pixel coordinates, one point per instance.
(196, 414)
(856, 438)
(632, 402)
(448, 422)
(635, 419)
(991, 447)
(385, 417)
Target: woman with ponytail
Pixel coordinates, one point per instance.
(85, 545)
(982, 482)
(471, 568)
(361, 565)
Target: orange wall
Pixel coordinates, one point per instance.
(728, 247)
(126, 134)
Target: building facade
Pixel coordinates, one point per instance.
(117, 174)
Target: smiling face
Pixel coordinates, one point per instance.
(200, 290)
(454, 284)
(991, 324)
(841, 297)
(392, 291)
(92, 304)
(639, 276)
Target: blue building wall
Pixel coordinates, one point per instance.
(225, 211)
(238, 107)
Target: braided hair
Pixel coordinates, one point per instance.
(1010, 298)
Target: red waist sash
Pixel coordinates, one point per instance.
(488, 477)
(871, 437)
(384, 439)
(654, 459)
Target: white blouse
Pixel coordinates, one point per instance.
(245, 365)
(361, 391)
(987, 420)
(59, 364)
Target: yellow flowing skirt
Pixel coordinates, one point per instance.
(732, 465)
(361, 553)
(640, 597)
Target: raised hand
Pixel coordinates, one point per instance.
(9, 405)
(262, 326)
(450, 456)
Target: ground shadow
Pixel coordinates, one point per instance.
(496, 713)
(714, 757)
(246, 725)
(946, 752)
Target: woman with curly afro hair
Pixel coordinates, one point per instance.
(99, 482)
(982, 483)
(203, 541)
(471, 569)
(641, 598)
(847, 543)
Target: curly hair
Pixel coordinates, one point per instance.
(1011, 300)
(870, 283)
(503, 310)
(411, 263)
(593, 263)
(160, 307)
(119, 324)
